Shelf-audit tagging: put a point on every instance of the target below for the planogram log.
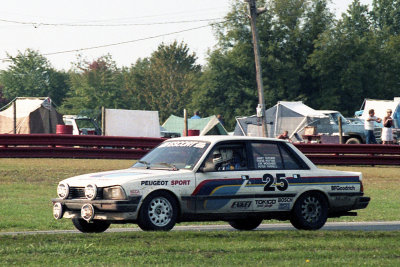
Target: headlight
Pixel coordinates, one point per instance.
(62, 190)
(91, 191)
(115, 192)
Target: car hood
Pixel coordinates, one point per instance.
(120, 177)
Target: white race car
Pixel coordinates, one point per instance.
(241, 180)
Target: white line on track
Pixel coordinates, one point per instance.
(330, 226)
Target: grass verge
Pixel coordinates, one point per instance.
(229, 248)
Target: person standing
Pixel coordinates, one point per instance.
(196, 115)
(369, 126)
(387, 133)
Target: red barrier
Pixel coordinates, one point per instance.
(75, 146)
(351, 154)
(116, 147)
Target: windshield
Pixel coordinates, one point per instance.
(335, 117)
(174, 154)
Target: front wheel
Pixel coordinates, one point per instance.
(310, 212)
(159, 212)
(92, 227)
(245, 224)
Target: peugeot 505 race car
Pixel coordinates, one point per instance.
(241, 180)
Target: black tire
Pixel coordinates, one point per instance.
(158, 212)
(246, 224)
(353, 140)
(310, 212)
(92, 227)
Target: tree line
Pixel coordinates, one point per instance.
(306, 54)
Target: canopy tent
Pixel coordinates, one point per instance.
(31, 115)
(284, 116)
(380, 107)
(207, 126)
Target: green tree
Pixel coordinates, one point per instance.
(30, 74)
(165, 81)
(386, 16)
(94, 85)
(348, 62)
(287, 33)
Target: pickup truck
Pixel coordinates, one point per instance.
(353, 130)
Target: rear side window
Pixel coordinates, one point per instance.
(275, 156)
(266, 156)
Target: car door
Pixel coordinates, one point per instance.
(221, 183)
(277, 169)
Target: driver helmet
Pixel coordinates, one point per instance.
(222, 155)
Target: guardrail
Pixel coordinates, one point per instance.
(115, 147)
(351, 154)
(75, 146)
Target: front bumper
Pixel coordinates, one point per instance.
(129, 205)
(103, 209)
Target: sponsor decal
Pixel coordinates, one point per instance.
(184, 144)
(154, 183)
(241, 205)
(285, 199)
(284, 206)
(134, 192)
(265, 203)
(343, 188)
(180, 182)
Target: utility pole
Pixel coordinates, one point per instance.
(254, 12)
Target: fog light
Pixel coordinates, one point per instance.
(62, 190)
(58, 211)
(87, 212)
(91, 191)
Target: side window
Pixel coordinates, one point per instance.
(266, 156)
(290, 162)
(227, 157)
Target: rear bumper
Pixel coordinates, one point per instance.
(361, 203)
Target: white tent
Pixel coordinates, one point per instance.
(284, 116)
(31, 115)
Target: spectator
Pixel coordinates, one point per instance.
(196, 115)
(221, 120)
(284, 136)
(387, 133)
(369, 126)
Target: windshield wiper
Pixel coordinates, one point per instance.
(172, 166)
(145, 163)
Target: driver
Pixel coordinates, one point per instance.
(223, 160)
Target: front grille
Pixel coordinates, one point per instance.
(79, 192)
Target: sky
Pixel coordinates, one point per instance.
(126, 29)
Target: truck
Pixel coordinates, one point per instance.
(82, 125)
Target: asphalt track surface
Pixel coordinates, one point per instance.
(333, 226)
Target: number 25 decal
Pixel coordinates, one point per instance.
(281, 183)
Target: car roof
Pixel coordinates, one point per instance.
(218, 138)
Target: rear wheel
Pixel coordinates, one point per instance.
(246, 224)
(159, 212)
(310, 212)
(353, 140)
(92, 227)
